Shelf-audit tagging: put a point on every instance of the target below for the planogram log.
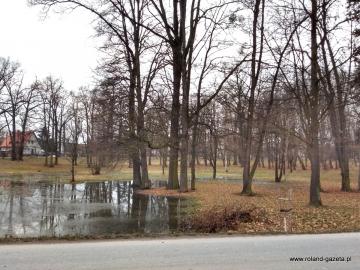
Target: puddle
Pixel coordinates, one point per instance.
(54, 209)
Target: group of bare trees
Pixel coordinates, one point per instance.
(248, 82)
(17, 105)
(42, 107)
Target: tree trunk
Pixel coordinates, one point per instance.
(150, 156)
(193, 152)
(247, 179)
(56, 141)
(145, 182)
(314, 113)
(173, 181)
(336, 109)
(213, 160)
(13, 138)
(134, 148)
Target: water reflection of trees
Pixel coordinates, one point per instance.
(56, 208)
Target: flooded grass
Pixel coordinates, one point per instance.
(43, 210)
(52, 209)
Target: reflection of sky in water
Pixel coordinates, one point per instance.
(31, 209)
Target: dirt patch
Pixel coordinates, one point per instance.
(218, 220)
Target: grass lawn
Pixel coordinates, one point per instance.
(34, 166)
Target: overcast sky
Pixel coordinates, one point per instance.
(60, 45)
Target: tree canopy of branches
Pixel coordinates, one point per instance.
(196, 81)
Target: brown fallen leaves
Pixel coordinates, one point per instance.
(217, 220)
(221, 208)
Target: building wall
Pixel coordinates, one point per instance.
(32, 147)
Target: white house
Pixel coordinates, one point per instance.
(31, 144)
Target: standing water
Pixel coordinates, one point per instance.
(54, 209)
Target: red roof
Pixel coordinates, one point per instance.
(6, 143)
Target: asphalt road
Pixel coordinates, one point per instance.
(258, 252)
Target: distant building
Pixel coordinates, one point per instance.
(68, 148)
(31, 144)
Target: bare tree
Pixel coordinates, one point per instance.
(12, 105)
(74, 127)
(30, 104)
(52, 94)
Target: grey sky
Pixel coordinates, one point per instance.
(61, 45)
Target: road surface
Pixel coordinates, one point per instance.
(255, 252)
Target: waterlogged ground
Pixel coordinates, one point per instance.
(36, 208)
(54, 209)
